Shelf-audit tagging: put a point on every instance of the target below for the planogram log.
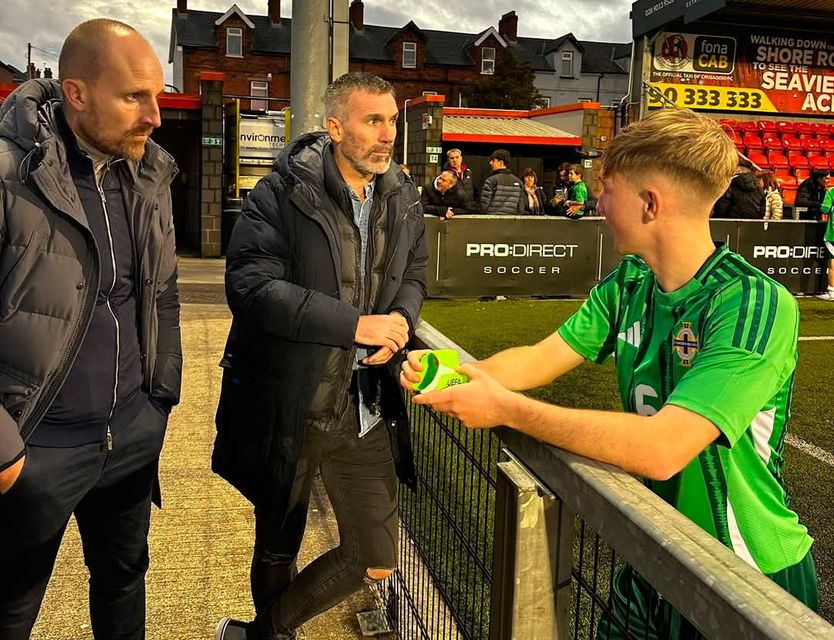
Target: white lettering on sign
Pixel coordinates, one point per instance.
(787, 251)
(521, 250)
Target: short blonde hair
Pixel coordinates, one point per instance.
(679, 143)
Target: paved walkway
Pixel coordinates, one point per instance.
(201, 540)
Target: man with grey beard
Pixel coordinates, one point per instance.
(325, 277)
(90, 357)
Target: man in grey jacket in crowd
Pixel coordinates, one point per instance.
(90, 356)
(502, 192)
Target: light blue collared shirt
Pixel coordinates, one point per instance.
(362, 219)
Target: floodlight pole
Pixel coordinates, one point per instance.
(405, 130)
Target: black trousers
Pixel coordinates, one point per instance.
(360, 480)
(110, 494)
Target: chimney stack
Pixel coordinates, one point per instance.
(182, 6)
(275, 11)
(47, 72)
(508, 26)
(357, 14)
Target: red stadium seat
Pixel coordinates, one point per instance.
(767, 126)
(789, 195)
(785, 127)
(801, 174)
(735, 136)
(771, 140)
(748, 126)
(810, 144)
(802, 127)
(831, 163)
(786, 180)
(752, 140)
(831, 130)
(827, 145)
(797, 159)
(759, 158)
(791, 143)
(818, 161)
(778, 160)
(819, 129)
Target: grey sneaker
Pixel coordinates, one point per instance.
(230, 629)
(827, 295)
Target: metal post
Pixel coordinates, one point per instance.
(529, 566)
(309, 55)
(405, 130)
(340, 39)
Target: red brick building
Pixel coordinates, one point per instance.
(253, 51)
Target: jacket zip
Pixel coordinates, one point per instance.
(108, 434)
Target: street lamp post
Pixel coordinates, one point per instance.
(405, 130)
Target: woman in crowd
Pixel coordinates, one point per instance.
(534, 194)
(773, 199)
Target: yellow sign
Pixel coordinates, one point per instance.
(701, 97)
(247, 182)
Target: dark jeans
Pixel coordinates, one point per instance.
(360, 480)
(110, 494)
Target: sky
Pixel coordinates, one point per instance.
(45, 23)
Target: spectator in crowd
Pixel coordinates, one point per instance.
(705, 370)
(455, 164)
(90, 338)
(773, 198)
(744, 198)
(535, 201)
(577, 194)
(443, 197)
(811, 193)
(325, 277)
(502, 192)
(559, 193)
(827, 209)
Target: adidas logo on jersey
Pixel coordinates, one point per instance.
(631, 335)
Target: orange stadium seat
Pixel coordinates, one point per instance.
(801, 174)
(789, 195)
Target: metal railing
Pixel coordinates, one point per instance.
(508, 538)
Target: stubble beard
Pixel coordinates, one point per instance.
(128, 146)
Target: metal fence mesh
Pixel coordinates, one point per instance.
(443, 587)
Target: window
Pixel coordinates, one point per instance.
(544, 102)
(429, 93)
(567, 64)
(234, 42)
(261, 89)
(488, 60)
(409, 55)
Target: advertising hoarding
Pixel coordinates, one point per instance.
(472, 256)
(746, 70)
(261, 137)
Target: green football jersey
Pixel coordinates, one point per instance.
(724, 347)
(828, 207)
